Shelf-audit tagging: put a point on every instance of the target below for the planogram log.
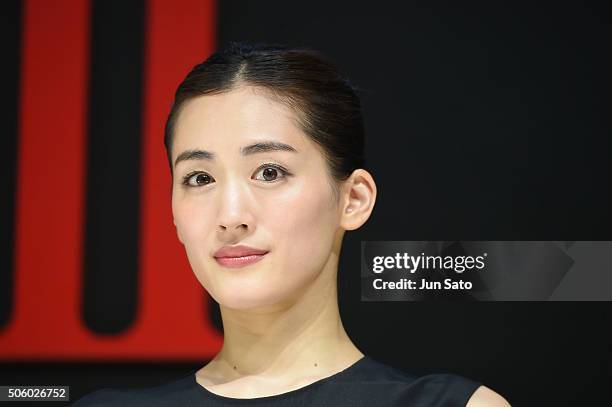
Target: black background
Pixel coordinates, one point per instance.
(484, 121)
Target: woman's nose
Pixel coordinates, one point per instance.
(234, 230)
(235, 218)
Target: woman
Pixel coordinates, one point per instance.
(265, 146)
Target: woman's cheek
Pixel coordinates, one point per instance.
(306, 230)
(193, 214)
(194, 226)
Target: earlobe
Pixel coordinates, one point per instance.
(360, 197)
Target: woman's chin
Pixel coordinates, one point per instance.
(256, 301)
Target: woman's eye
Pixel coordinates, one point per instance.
(268, 173)
(198, 179)
(271, 173)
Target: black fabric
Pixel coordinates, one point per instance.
(365, 383)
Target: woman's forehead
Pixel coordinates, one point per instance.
(235, 119)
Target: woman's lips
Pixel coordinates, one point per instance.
(238, 256)
(236, 262)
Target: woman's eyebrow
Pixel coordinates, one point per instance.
(194, 155)
(259, 147)
(265, 146)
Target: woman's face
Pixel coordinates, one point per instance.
(235, 191)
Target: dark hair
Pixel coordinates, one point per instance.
(326, 104)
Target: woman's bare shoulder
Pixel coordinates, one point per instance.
(485, 397)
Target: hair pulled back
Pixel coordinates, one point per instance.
(327, 107)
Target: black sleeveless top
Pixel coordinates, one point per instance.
(365, 383)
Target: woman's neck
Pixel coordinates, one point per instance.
(302, 337)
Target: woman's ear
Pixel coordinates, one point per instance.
(359, 197)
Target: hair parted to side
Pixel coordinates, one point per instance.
(327, 107)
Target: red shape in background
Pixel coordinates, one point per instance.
(46, 323)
